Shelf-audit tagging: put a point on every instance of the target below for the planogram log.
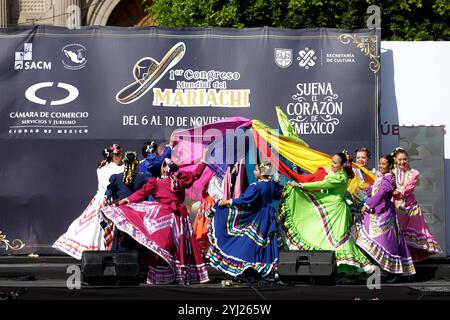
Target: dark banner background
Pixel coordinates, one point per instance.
(49, 153)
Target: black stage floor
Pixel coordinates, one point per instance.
(44, 278)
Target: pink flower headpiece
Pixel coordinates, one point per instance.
(115, 148)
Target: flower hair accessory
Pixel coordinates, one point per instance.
(348, 158)
(151, 147)
(396, 150)
(265, 168)
(115, 148)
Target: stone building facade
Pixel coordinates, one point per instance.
(72, 13)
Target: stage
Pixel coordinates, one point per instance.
(44, 278)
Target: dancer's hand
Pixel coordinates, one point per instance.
(295, 184)
(363, 210)
(123, 201)
(224, 203)
(397, 194)
(106, 202)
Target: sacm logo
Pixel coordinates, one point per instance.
(39, 65)
(31, 93)
(24, 60)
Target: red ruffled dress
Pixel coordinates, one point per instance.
(163, 226)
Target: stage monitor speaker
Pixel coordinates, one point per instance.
(307, 266)
(110, 268)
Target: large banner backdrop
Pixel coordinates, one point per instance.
(67, 94)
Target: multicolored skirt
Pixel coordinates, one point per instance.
(318, 221)
(379, 235)
(421, 242)
(241, 240)
(166, 231)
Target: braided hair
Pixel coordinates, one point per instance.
(130, 165)
(346, 161)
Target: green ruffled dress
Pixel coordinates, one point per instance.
(318, 218)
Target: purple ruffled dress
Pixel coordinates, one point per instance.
(378, 232)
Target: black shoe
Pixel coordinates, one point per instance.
(387, 277)
(251, 276)
(343, 279)
(391, 279)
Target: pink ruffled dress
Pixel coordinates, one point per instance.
(421, 242)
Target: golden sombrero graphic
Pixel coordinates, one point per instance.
(147, 72)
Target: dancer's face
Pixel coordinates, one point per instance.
(117, 158)
(336, 163)
(362, 159)
(402, 161)
(383, 166)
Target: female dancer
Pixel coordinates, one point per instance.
(377, 231)
(85, 233)
(421, 242)
(315, 216)
(362, 156)
(212, 192)
(357, 186)
(163, 226)
(123, 184)
(244, 230)
(151, 165)
(201, 221)
(120, 186)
